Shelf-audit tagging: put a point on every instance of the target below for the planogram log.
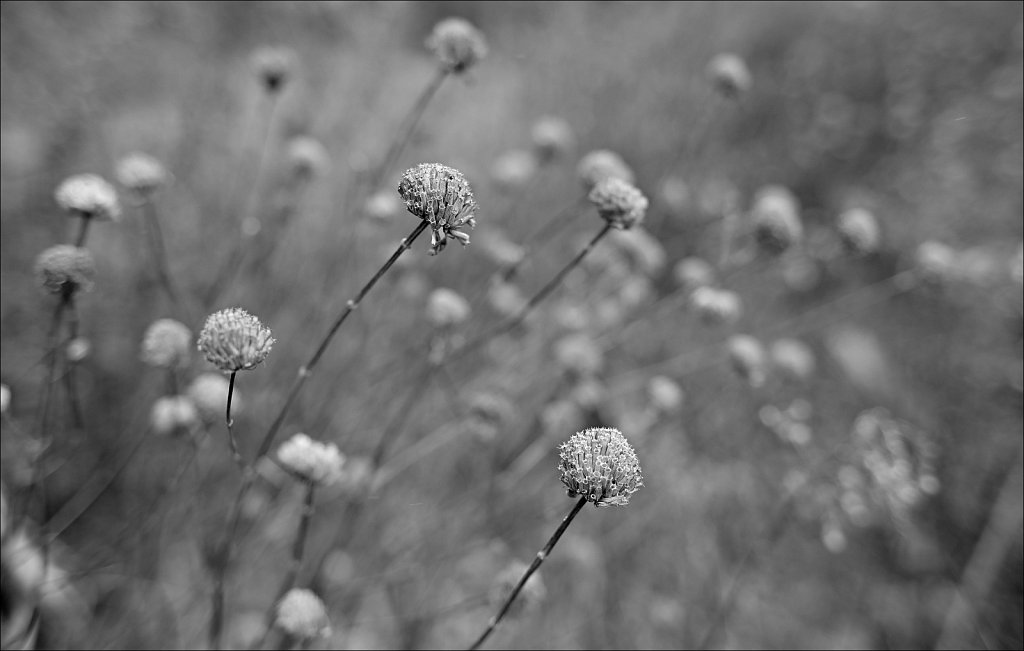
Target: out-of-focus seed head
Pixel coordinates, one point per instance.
(936, 261)
(503, 251)
(441, 196)
(716, 306)
(600, 465)
(307, 157)
(301, 614)
(167, 343)
(693, 273)
(273, 66)
(793, 357)
(552, 138)
(383, 206)
(859, 231)
(234, 340)
(579, 355)
(776, 216)
(446, 308)
(77, 349)
(172, 414)
(729, 74)
(489, 413)
(748, 358)
(140, 173)
(457, 44)
(88, 196)
(602, 164)
(619, 203)
(531, 595)
(312, 461)
(209, 392)
(64, 269)
(5, 398)
(513, 169)
(644, 251)
(664, 393)
(505, 298)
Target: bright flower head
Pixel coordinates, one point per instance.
(600, 465)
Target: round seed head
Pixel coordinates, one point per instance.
(77, 349)
(171, 414)
(441, 196)
(383, 206)
(748, 359)
(619, 203)
(552, 138)
(601, 164)
(664, 393)
(457, 44)
(65, 269)
(859, 231)
(303, 615)
(729, 74)
(273, 66)
(793, 357)
(167, 343)
(141, 173)
(693, 273)
(776, 216)
(209, 392)
(579, 355)
(600, 465)
(531, 595)
(446, 307)
(506, 298)
(936, 261)
(307, 158)
(234, 340)
(88, 196)
(513, 169)
(313, 461)
(716, 306)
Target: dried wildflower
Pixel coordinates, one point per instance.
(776, 216)
(313, 461)
(273, 65)
(90, 197)
(664, 393)
(441, 196)
(171, 414)
(619, 203)
(446, 307)
(748, 359)
(600, 465)
(793, 357)
(234, 340)
(307, 157)
(729, 75)
(64, 269)
(693, 273)
(167, 344)
(716, 306)
(457, 44)
(579, 355)
(859, 231)
(552, 138)
(141, 173)
(531, 595)
(301, 614)
(513, 169)
(602, 164)
(383, 206)
(209, 392)
(77, 349)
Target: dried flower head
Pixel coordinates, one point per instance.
(313, 461)
(748, 358)
(729, 74)
(457, 44)
(716, 306)
(793, 357)
(776, 216)
(273, 65)
(600, 465)
(88, 196)
(441, 196)
(234, 340)
(301, 614)
(644, 251)
(619, 203)
(446, 307)
(141, 173)
(172, 414)
(602, 164)
(167, 343)
(552, 138)
(209, 392)
(531, 595)
(513, 169)
(307, 157)
(693, 273)
(859, 231)
(65, 269)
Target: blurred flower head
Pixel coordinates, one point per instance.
(505, 298)
(313, 461)
(273, 65)
(457, 44)
(859, 231)
(234, 340)
(503, 251)
(693, 273)
(5, 398)
(644, 251)
(167, 343)
(664, 393)
(307, 157)
(793, 357)
(446, 307)
(716, 306)
(383, 206)
(552, 138)
(88, 196)
(172, 414)
(729, 74)
(64, 269)
(209, 392)
(602, 164)
(936, 261)
(489, 412)
(579, 355)
(77, 349)
(513, 169)
(600, 465)
(619, 203)
(301, 614)
(530, 596)
(441, 196)
(748, 358)
(776, 216)
(141, 173)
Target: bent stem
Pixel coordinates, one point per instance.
(231, 422)
(534, 566)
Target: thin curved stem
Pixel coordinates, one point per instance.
(231, 422)
(547, 229)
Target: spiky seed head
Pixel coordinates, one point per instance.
(209, 392)
(172, 414)
(693, 273)
(513, 169)
(307, 157)
(167, 343)
(619, 203)
(748, 358)
(301, 614)
(936, 261)
(600, 465)
(457, 44)
(729, 74)
(664, 393)
(552, 138)
(446, 307)
(273, 66)
(776, 216)
(531, 595)
(88, 196)
(140, 173)
(77, 349)
(441, 196)
(234, 340)
(602, 164)
(65, 269)
(793, 357)
(579, 355)
(859, 231)
(716, 306)
(312, 461)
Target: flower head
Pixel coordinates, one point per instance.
(383, 206)
(664, 393)
(446, 307)
(173, 413)
(457, 44)
(514, 168)
(5, 398)
(441, 196)
(552, 138)
(619, 203)
(600, 465)
(693, 273)
(601, 164)
(859, 231)
(209, 391)
(313, 461)
(776, 215)
(141, 173)
(936, 261)
(307, 158)
(234, 340)
(88, 196)
(729, 74)
(77, 349)
(166, 343)
(579, 354)
(65, 268)
(716, 306)
(273, 65)
(302, 614)
(748, 358)
(793, 357)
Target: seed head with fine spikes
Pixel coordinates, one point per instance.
(234, 340)
(441, 196)
(619, 203)
(600, 465)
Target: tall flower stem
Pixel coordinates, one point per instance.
(69, 375)
(231, 422)
(83, 230)
(534, 566)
